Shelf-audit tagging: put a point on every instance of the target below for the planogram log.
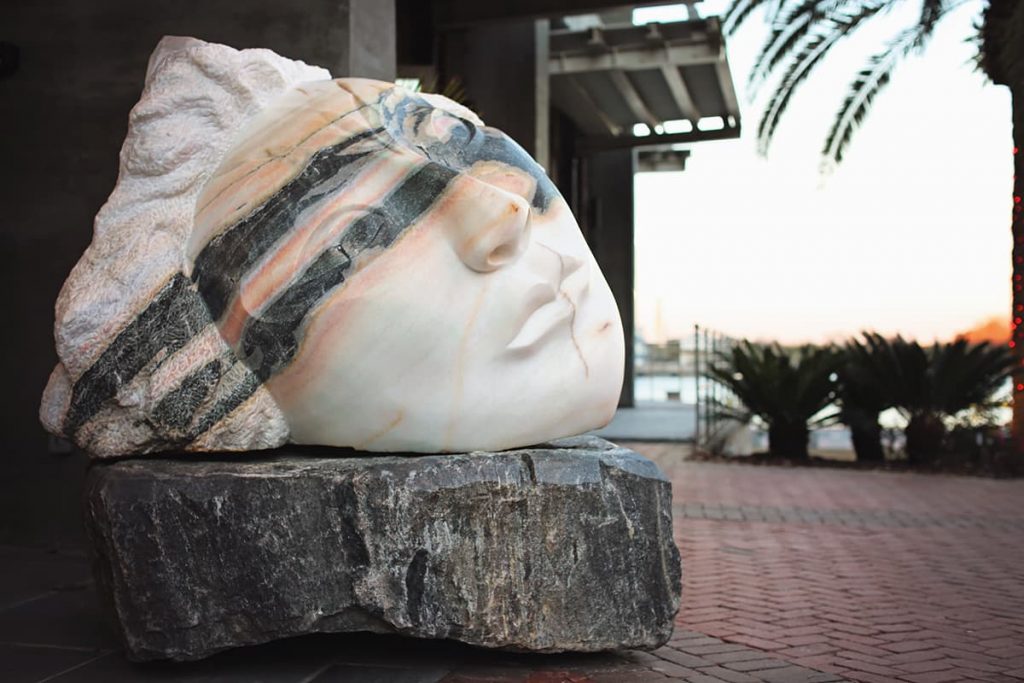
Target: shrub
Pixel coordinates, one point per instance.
(928, 385)
(865, 369)
(787, 389)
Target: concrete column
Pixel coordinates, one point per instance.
(541, 148)
(368, 46)
(504, 70)
(608, 226)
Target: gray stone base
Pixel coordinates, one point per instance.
(562, 547)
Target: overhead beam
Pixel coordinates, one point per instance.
(592, 144)
(595, 115)
(681, 94)
(460, 13)
(633, 59)
(633, 99)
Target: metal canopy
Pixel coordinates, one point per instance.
(608, 79)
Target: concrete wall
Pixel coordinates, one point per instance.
(503, 68)
(63, 116)
(608, 225)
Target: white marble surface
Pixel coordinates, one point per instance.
(377, 269)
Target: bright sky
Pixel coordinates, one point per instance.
(911, 234)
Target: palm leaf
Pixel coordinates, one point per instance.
(800, 67)
(813, 49)
(875, 76)
(737, 12)
(781, 42)
(964, 375)
(787, 33)
(777, 385)
(931, 13)
(804, 31)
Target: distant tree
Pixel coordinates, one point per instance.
(804, 31)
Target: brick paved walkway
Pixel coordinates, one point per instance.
(790, 576)
(870, 576)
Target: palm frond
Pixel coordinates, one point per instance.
(874, 77)
(737, 12)
(777, 385)
(804, 31)
(784, 37)
(866, 372)
(931, 12)
(788, 31)
(964, 375)
(942, 379)
(815, 46)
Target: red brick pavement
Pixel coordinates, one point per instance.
(790, 576)
(870, 576)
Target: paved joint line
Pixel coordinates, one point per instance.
(734, 661)
(101, 655)
(843, 517)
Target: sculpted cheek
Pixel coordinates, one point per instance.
(363, 312)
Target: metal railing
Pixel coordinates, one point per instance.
(676, 373)
(711, 396)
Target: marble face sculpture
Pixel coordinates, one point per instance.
(290, 258)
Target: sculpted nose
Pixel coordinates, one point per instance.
(496, 233)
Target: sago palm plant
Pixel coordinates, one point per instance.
(930, 384)
(865, 371)
(787, 389)
(959, 375)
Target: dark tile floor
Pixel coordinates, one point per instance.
(52, 629)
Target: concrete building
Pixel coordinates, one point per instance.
(569, 79)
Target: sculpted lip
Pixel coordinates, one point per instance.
(541, 322)
(550, 305)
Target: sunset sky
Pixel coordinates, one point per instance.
(910, 234)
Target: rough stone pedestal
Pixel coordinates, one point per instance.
(561, 547)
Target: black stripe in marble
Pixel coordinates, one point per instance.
(223, 262)
(170, 320)
(271, 339)
(236, 396)
(467, 144)
(175, 412)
